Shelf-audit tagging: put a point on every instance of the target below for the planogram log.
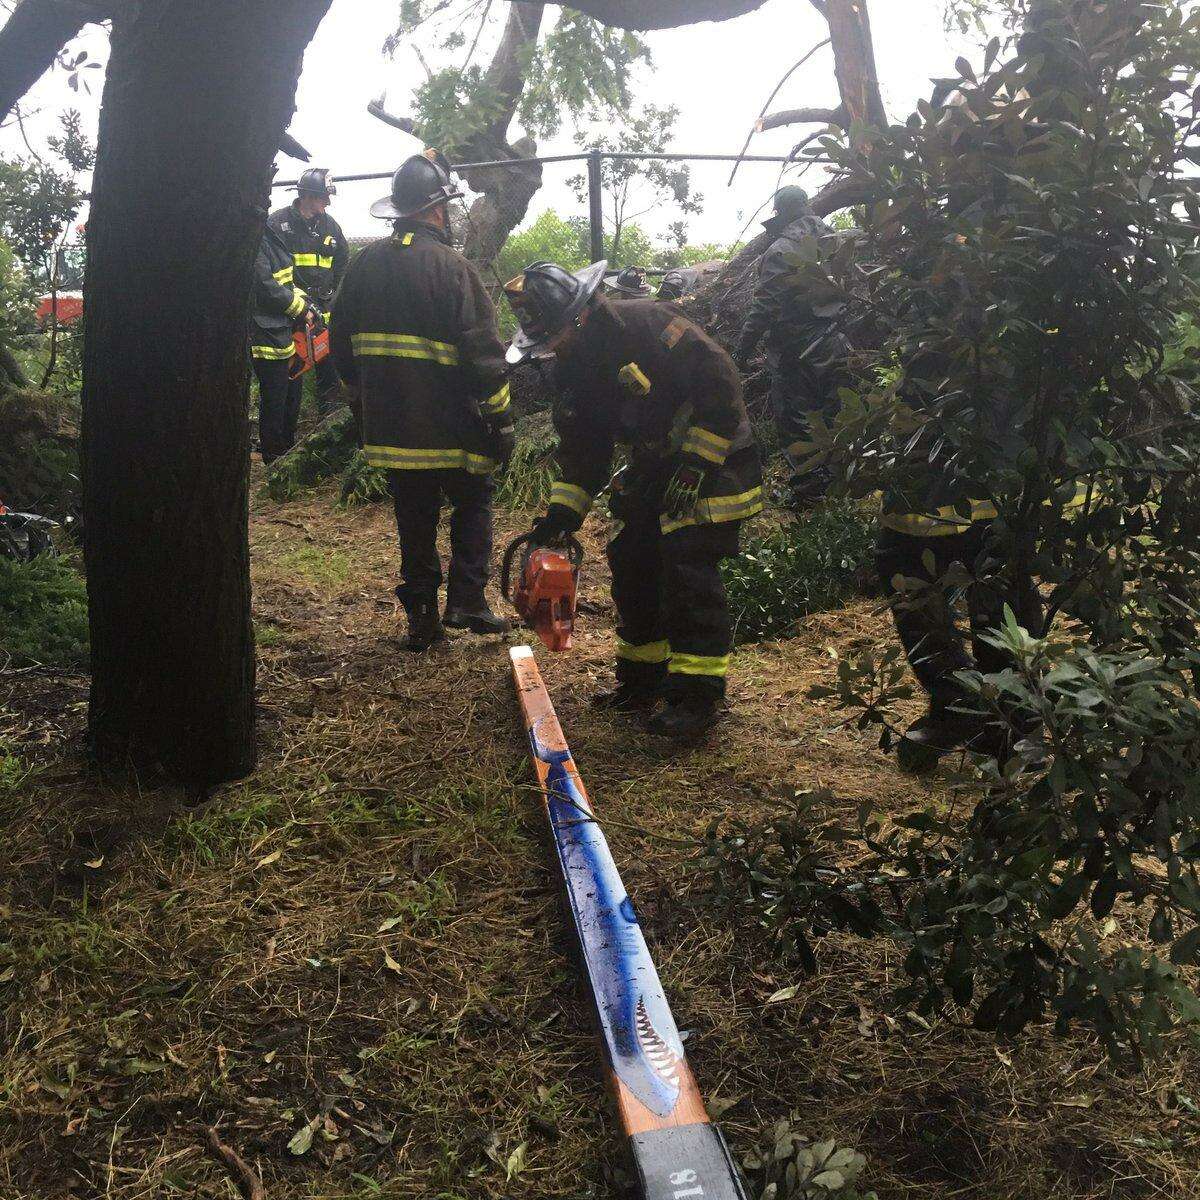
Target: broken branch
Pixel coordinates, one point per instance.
(240, 1171)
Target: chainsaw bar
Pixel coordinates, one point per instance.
(677, 1151)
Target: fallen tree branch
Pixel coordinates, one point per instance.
(240, 1171)
(801, 116)
(762, 111)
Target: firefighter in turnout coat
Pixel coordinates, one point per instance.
(320, 256)
(280, 307)
(414, 335)
(644, 376)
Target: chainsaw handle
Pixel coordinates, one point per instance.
(567, 543)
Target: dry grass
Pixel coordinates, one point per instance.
(364, 940)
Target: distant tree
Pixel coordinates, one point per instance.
(633, 188)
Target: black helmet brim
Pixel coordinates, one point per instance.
(386, 210)
(525, 346)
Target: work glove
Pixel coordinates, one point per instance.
(504, 442)
(555, 525)
(683, 492)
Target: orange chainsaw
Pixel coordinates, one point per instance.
(545, 588)
(312, 347)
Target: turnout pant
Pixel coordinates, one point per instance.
(674, 625)
(418, 497)
(927, 624)
(329, 383)
(277, 411)
(797, 390)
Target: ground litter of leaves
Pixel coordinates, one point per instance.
(355, 965)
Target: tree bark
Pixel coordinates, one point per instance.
(854, 60)
(801, 116)
(31, 39)
(178, 204)
(505, 192)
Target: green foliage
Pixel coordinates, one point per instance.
(1023, 259)
(524, 484)
(363, 483)
(39, 455)
(454, 106)
(549, 239)
(326, 451)
(808, 565)
(43, 612)
(787, 1166)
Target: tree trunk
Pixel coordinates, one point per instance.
(662, 14)
(196, 99)
(854, 60)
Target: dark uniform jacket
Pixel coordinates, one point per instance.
(320, 252)
(277, 300)
(780, 309)
(645, 376)
(414, 335)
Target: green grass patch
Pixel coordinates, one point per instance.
(809, 565)
(315, 565)
(43, 612)
(214, 834)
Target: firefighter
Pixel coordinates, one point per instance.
(630, 284)
(414, 335)
(320, 255)
(280, 307)
(645, 376)
(801, 355)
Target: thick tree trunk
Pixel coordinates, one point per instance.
(854, 60)
(196, 99)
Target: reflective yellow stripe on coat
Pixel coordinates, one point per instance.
(397, 458)
(570, 496)
(404, 345)
(312, 260)
(717, 509)
(273, 353)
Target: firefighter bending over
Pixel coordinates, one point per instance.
(320, 255)
(645, 376)
(414, 335)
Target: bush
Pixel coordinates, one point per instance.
(325, 452)
(525, 482)
(43, 612)
(363, 483)
(39, 453)
(806, 566)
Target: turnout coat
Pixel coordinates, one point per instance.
(277, 300)
(320, 252)
(413, 333)
(644, 376)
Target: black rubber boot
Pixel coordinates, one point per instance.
(686, 719)
(478, 620)
(628, 697)
(928, 740)
(424, 624)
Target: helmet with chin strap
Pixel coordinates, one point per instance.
(547, 299)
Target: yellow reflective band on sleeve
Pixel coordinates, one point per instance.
(406, 240)
(716, 510)
(397, 458)
(699, 664)
(328, 317)
(312, 260)
(403, 345)
(633, 379)
(298, 302)
(569, 496)
(283, 275)
(273, 353)
(498, 401)
(650, 652)
(708, 446)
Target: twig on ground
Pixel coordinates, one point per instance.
(246, 1178)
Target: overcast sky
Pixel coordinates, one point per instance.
(718, 74)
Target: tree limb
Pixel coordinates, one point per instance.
(243, 1175)
(801, 116)
(509, 67)
(663, 14)
(32, 37)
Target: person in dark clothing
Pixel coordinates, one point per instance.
(645, 376)
(802, 356)
(279, 308)
(681, 282)
(320, 256)
(414, 336)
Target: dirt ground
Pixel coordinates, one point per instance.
(355, 965)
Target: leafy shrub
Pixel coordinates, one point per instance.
(325, 452)
(43, 612)
(808, 565)
(525, 482)
(787, 1166)
(39, 453)
(363, 483)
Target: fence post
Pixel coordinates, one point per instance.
(595, 206)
